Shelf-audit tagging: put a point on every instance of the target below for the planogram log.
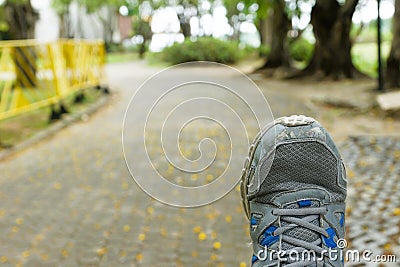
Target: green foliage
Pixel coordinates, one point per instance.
(264, 50)
(94, 5)
(3, 23)
(263, 7)
(368, 64)
(121, 57)
(367, 33)
(301, 50)
(21, 2)
(141, 27)
(204, 49)
(61, 6)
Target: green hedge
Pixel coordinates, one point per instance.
(203, 49)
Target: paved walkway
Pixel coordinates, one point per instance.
(70, 201)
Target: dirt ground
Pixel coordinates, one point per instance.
(346, 107)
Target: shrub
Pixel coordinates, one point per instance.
(204, 49)
(301, 50)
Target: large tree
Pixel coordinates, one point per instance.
(186, 9)
(232, 13)
(20, 18)
(62, 8)
(393, 61)
(279, 26)
(331, 23)
(104, 10)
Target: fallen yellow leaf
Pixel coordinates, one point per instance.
(202, 236)
(197, 229)
(142, 237)
(101, 251)
(217, 245)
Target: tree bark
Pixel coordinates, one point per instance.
(393, 61)
(143, 28)
(235, 24)
(107, 17)
(65, 26)
(21, 19)
(264, 28)
(332, 52)
(278, 56)
(185, 26)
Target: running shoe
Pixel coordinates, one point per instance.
(293, 191)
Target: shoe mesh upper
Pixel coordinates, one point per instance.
(299, 165)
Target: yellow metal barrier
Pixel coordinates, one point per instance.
(34, 75)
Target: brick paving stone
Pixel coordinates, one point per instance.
(371, 221)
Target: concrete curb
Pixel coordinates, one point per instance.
(55, 127)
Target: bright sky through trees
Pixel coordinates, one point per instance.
(165, 22)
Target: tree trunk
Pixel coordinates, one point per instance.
(21, 19)
(236, 31)
(108, 25)
(332, 52)
(65, 26)
(278, 56)
(393, 61)
(185, 26)
(143, 28)
(62, 33)
(264, 28)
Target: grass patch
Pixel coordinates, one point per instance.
(154, 59)
(17, 129)
(116, 57)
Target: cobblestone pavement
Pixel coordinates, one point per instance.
(373, 205)
(70, 201)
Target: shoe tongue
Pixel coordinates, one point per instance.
(299, 232)
(296, 197)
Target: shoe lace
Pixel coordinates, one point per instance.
(300, 218)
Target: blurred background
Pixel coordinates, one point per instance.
(287, 33)
(66, 195)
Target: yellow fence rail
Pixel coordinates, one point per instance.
(35, 75)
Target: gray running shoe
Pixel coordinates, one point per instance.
(293, 191)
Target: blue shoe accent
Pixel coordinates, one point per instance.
(254, 259)
(253, 221)
(328, 241)
(269, 238)
(304, 203)
(342, 220)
